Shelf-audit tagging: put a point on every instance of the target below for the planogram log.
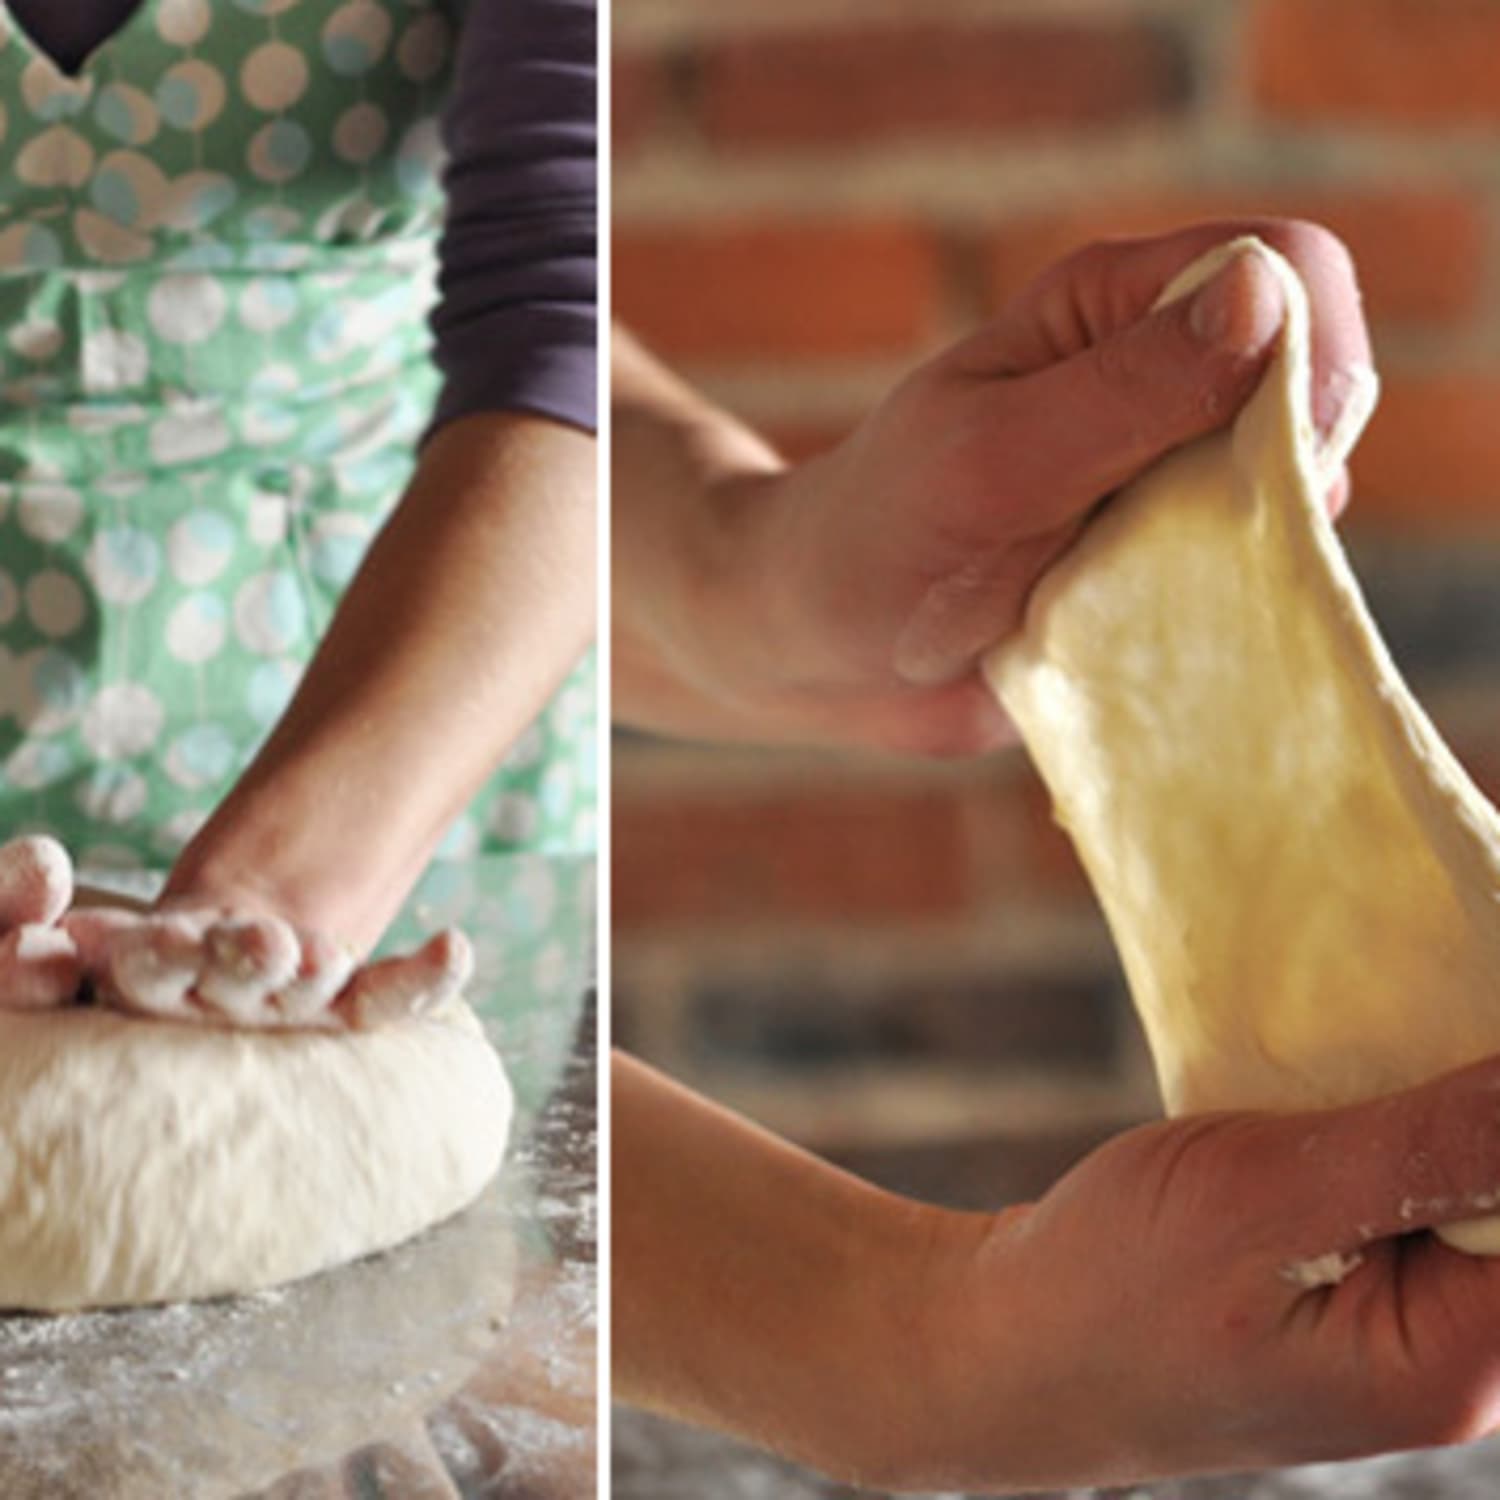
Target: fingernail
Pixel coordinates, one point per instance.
(1240, 309)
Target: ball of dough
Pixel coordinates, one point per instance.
(144, 1161)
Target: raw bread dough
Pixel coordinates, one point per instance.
(146, 1161)
(1300, 877)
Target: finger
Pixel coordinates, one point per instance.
(154, 967)
(94, 930)
(1339, 340)
(245, 960)
(1106, 287)
(324, 971)
(964, 614)
(1414, 1160)
(413, 984)
(1095, 421)
(1337, 498)
(39, 968)
(36, 881)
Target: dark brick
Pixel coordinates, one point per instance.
(791, 1021)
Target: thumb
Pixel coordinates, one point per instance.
(1073, 432)
(1180, 372)
(1415, 1160)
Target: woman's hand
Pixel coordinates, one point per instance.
(253, 970)
(847, 600)
(186, 961)
(198, 963)
(1223, 1292)
(1233, 1291)
(473, 604)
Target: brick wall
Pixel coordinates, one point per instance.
(812, 194)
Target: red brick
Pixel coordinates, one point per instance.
(881, 855)
(803, 289)
(826, 87)
(1399, 62)
(1050, 864)
(1431, 455)
(637, 89)
(1019, 852)
(1420, 253)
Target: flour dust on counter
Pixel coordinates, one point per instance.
(660, 1460)
(216, 1400)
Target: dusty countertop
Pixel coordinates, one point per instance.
(458, 1365)
(659, 1460)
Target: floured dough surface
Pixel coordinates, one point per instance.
(1301, 879)
(147, 1161)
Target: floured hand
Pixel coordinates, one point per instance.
(1225, 1292)
(216, 965)
(233, 968)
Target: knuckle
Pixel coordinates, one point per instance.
(1091, 259)
(1119, 365)
(1072, 294)
(1085, 261)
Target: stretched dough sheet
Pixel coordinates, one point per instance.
(1299, 876)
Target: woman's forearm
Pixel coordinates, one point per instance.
(685, 480)
(762, 1291)
(474, 602)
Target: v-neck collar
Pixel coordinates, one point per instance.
(34, 48)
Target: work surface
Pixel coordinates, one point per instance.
(460, 1364)
(660, 1460)
(657, 1460)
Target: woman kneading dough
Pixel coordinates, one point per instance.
(224, 230)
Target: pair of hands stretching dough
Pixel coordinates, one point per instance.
(1157, 1311)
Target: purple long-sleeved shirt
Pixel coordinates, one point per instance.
(516, 326)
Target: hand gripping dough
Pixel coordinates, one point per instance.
(146, 1161)
(1301, 879)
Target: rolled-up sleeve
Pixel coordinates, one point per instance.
(516, 326)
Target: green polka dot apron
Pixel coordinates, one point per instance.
(217, 253)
